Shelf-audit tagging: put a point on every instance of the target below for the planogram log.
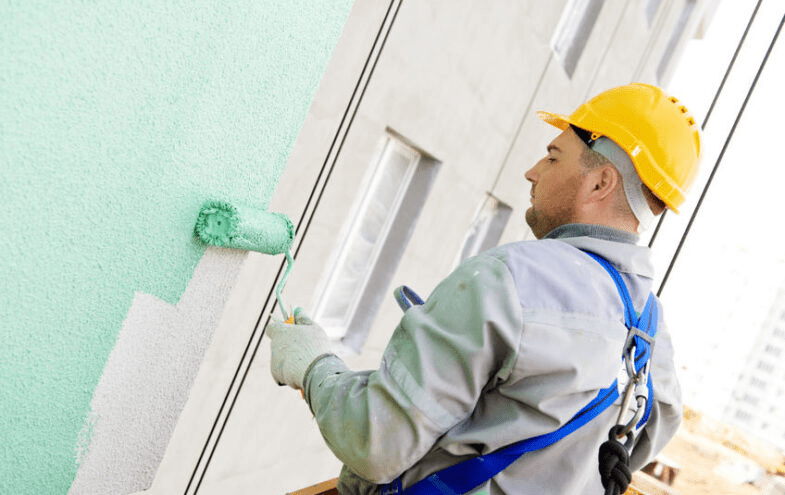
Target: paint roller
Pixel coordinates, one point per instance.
(224, 224)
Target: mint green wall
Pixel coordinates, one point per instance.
(117, 119)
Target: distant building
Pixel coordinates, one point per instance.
(757, 404)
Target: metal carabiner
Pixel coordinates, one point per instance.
(641, 409)
(629, 361)
(640, 405)
(625, 403)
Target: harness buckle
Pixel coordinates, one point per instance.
(634, 332)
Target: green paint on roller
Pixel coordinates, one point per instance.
(223, 224)
(226, 225)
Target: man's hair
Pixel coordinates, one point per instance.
(592, 160)
(658, 204)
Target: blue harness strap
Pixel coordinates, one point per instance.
(642, 329)
(467, 475)
(464, 476)
(405, 297)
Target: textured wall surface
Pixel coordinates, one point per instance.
(116, 121)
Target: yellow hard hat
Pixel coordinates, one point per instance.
(657, 132)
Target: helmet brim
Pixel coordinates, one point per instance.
(555, 119)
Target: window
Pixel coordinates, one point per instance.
(765, 366)
(572, 32)
(652, 6)
(742, 416)
(376, 234)
(486, 229)
(673, 41)
(750, 400)
(773, 350)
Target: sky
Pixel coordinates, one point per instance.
(732, 265)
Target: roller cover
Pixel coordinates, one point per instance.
(223, 224)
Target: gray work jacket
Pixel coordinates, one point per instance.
(509, 346)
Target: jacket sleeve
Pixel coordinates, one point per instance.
(438, 361)
(666, 413)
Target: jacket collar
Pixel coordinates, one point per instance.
(619, 247)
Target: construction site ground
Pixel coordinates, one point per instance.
(709, 457)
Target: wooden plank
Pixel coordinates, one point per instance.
(324, 488)
(329, 488)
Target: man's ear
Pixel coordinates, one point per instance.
(602, 183)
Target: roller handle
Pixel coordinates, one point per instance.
(290, 321)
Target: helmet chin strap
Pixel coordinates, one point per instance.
(633, 189)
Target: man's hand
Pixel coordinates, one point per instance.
(294, 348)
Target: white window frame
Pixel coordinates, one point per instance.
(663, 67)
(337, 328)
(486, 229)
(652, 6)
(573, 30)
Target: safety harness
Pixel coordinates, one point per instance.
(463, 477)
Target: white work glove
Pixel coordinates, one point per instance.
(294, 348)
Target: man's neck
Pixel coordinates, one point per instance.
(593, 230)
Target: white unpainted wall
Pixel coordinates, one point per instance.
(147, 379)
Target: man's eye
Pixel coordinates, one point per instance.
(551, 159)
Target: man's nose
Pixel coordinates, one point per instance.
(531, 175)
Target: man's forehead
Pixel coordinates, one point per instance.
(566, 141)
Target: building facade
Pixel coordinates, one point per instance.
(757, 404)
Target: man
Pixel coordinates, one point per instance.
(519, 339)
